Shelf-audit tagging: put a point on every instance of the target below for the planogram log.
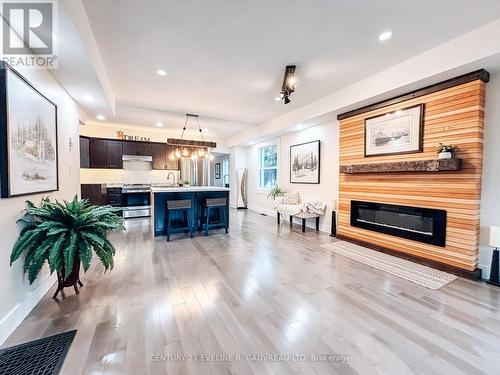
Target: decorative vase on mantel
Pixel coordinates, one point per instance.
(445, 151)
(445, 155)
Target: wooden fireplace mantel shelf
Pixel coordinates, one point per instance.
(404, 166)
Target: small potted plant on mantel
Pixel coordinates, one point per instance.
(445, 151)
(185, 183)
(65, 234)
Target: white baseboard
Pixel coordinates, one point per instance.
(261, 210)
(309, 223)
(324, 228)
(14, 317)
(485, 271)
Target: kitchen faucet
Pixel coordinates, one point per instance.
(168, 176)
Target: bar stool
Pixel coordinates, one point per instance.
(218, 204)
(183, 206)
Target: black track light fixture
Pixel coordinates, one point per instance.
(289, 84)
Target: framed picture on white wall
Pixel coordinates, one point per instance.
(217, 171)
(305, 163)
(28, 137)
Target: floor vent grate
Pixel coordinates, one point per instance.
(41, 357)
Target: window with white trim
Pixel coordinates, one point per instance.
(268, 166)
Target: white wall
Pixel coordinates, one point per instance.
(17, 296)
(327, 190)
(218, 158)
(490, 198)
(103, 130)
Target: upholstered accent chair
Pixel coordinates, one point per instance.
(289, 205)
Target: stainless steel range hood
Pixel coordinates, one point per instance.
(137, 162)
(143, 158)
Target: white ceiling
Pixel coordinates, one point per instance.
(76, 69)
(225, 58)
(134, 115)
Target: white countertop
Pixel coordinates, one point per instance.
(160, 189)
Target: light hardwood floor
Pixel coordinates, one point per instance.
(264, 289)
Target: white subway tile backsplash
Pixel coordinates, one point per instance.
(120, 176)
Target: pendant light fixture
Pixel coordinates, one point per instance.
(191, 148)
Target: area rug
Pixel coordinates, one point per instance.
(42, 357)
(416, 273)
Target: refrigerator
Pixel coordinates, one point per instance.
(195, 170)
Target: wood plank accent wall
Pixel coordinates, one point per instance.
(454, 115)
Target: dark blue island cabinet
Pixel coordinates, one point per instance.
(197, 195)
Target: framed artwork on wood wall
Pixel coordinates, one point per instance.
(399, 132)
(305, 163)
(28, 137)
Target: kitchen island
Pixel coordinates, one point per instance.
(197, 195)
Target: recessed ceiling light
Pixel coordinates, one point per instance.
(159, 124)
(205, 130)
(88, 98)
(100, 117)
(385, 35)
(161, 72)
(278, 98)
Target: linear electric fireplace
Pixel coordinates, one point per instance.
(415, 223)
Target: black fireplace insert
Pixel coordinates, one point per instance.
(415, 223)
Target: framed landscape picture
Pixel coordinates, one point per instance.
(399, 132)
(305, 163)
(28, 137)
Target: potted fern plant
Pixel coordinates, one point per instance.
(276, 191)
(65, 234)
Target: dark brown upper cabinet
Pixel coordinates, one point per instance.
(114, 154)
(162, 156)
(84, 152)
(172, 163)
(136, 148)
(98, 151)
(159, 151)
(105, 153)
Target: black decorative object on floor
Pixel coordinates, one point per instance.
(494, 270)
(42, 357)
(333, 229)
